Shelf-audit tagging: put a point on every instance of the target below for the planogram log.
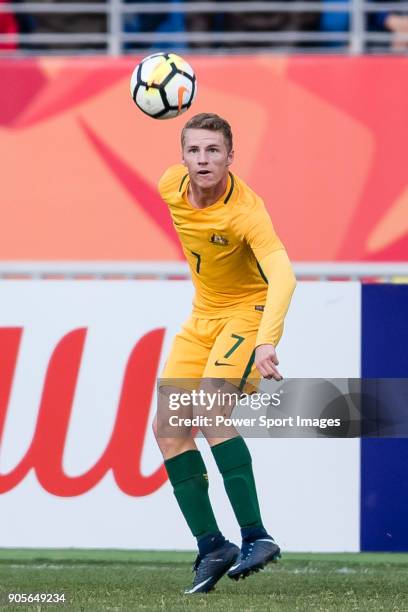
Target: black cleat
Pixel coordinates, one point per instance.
(210, 568)
(254, 558)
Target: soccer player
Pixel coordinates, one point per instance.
(243, 286)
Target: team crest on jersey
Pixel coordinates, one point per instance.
(218, 239)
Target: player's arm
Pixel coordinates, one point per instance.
(276, 267)
(281, 284)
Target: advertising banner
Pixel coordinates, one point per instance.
(320, 139)
(78, 460)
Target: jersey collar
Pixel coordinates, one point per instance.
(225, 198)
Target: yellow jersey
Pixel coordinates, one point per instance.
(223, 244)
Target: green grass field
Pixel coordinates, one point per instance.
(120, 580)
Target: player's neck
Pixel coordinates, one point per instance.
(203, 197)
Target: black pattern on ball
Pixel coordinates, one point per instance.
(160, 100)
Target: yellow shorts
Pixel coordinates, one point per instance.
(215, 348)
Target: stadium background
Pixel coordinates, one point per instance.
(323, 140)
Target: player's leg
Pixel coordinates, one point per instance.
(183, 461)
(234, 462)
(184, 464)
(232, 358)
(173, 437)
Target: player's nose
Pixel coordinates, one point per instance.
(202, 157)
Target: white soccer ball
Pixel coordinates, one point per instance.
(163, 85)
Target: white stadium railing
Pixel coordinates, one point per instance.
(161, 270)
(115, 39)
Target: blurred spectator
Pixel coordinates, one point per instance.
(334, 22)
(276, 21)
(152, 23)
(272, 22)
(398, 24)
(205, 22)
(69, 23)
(374, 22)
(8, 25)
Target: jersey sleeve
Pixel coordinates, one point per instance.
(259, 232)
(281, 285)
(171, 183)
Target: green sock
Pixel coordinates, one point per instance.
(235, 464)
(188, 475)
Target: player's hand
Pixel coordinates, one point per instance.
(266, 361)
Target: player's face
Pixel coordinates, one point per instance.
(206, 156)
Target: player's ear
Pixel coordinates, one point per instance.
(230, 157)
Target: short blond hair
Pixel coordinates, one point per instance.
(209, 121)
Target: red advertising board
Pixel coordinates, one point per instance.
(80, 466)
(322, 139)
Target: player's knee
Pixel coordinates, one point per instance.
(170, 447)
(162, 428)
(155, 427)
